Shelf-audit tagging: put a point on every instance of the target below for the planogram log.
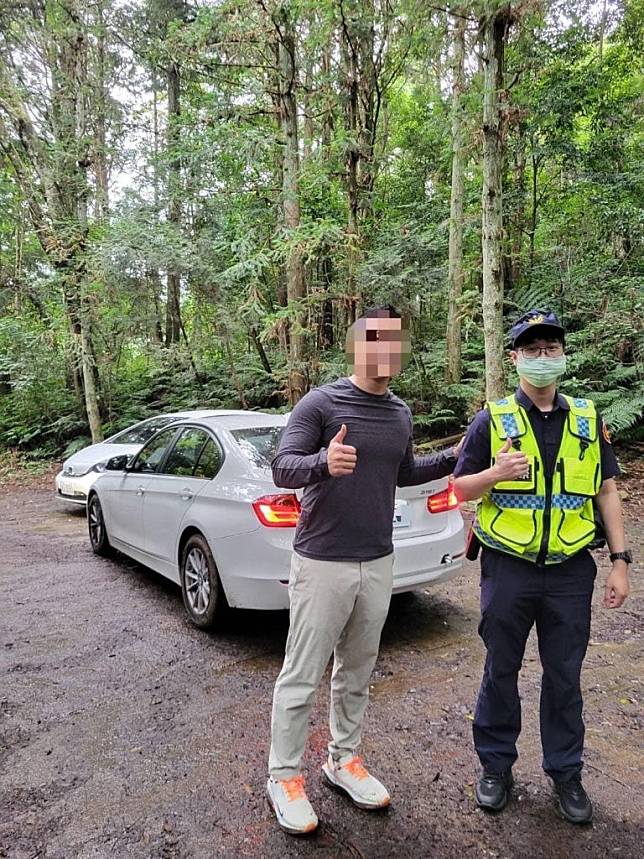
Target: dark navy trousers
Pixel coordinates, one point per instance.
(516, 594)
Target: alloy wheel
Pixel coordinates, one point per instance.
(197, 576)
(96, 524)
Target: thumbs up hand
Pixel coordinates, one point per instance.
(340, 458)
(507, 445)
(510, 464)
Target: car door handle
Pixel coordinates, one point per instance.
(187, 494)
(140, 490)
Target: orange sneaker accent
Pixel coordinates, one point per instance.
(356, 768)
(294, 787)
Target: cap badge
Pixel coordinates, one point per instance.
(536, 320)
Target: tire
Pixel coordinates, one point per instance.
(203, 595)
(98, 538)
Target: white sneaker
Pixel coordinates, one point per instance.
(290, 803)
(351, 776)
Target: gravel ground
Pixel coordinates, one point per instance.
(125, 732)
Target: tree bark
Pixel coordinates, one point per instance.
(259, 348)
(494, 32)
(88, 364)
(295, 276)
(351, 122)
(455, 270)
(602, 31)
(519, 212)
(173, 304)
(101, 172)
(534, 210)
(362, 100)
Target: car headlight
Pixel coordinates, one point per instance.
(71, 471)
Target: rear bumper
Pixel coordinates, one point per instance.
(432, 576)
(254, 571)
(432, 559)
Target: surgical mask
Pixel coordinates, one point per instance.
(541, 372)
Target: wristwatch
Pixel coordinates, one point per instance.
(622, 556)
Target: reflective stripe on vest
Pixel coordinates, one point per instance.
(543, 520)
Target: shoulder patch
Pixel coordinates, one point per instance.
(606, 433)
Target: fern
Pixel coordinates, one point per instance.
(538, 294)
(621, 409)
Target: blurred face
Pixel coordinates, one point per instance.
(378, 347)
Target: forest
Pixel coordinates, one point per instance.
(198, 198)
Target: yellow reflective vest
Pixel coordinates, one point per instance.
(541, 519)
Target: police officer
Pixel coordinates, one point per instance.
(539, 461)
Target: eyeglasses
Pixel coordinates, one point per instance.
(375, 335)
(552, 350)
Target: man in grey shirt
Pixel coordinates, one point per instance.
(349, 444)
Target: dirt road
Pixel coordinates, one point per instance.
(124, 732)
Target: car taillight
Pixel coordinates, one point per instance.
(443, 501)
(277, 511)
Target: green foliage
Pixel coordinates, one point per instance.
(573, 190)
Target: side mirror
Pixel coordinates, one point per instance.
(118, 463)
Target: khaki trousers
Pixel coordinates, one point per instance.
(337, 608)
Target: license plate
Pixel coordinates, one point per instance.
(67, 487)
(402, 515)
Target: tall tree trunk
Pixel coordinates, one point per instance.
(100, 139)
(307, 121)
(153, 278)
(351, 121)
(88, 364)
(295, 278)
(155, 325)
(455, 271)
(602, 31)
(78, 272)
(53, 178)
(519, 212)
(259, 348)
(534, 209)
(325, 261)
(361, 67)
(173, 306)
(494, 32)
(369, 106)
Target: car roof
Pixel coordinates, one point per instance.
(232, 420)
(198, 413)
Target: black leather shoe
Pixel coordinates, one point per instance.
(573, 801)
(492, 790)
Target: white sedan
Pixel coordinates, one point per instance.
(80, 470)
(198, 505)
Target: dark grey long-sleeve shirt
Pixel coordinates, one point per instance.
(350, 518)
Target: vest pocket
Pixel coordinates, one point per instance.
(526, 485)
(515, 526)
(577, 478)
(575, 528)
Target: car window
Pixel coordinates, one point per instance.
(151, 455)
(210, 461)
(259, 444)
(140, 433)
(186, 452)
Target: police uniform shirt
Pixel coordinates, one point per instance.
(548, 430)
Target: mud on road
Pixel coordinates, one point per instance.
(125, 732)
